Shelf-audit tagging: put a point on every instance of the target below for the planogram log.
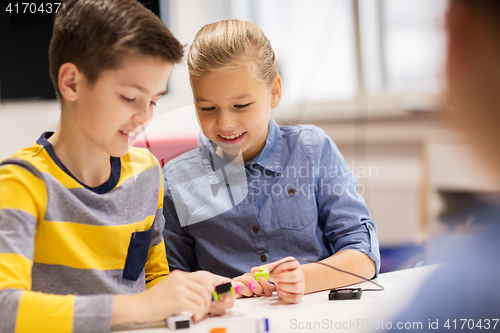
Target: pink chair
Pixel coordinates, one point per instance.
(167, 148)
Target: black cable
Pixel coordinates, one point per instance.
(335, 268)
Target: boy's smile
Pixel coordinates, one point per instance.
(234, 107)
(124, 98)
(109, 114)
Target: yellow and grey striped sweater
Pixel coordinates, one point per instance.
(65, 248)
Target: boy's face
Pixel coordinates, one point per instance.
(234, 108)
(110, 112)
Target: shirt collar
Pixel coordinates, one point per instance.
(101, 189)
(270, 157)
(216, 167)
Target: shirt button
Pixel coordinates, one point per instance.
(255, 229)
(263, 258)
(291, 191)
(370, 227)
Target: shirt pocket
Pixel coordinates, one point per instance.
(295, 205)
(137, 254)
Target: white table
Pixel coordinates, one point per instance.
(316, 313)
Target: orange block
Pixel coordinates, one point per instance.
(218, 330)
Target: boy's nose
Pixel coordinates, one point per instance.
(143, 114)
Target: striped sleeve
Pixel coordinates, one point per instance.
(22, 202)
(157, 266)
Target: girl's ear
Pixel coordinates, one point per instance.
(68, 80)
(276, 91)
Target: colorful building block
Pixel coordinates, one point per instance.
(221, 290)
(262, 325)
(237, 290)
(179, 322)
(218, 330)
(263, 272)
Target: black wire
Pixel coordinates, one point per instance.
(335, 268)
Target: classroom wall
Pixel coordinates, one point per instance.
(23, 122)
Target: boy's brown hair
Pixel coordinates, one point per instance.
(95, 35)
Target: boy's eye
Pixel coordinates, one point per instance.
(242, 106)
(208, 109)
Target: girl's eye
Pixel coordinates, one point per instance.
(153, 103)
(242, 106)
(128, 99)
(208, 109)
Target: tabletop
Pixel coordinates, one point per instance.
(316, 313)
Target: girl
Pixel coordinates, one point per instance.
(290, 196)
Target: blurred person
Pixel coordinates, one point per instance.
(464, 292)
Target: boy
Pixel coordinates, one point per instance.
(287, 193)
(80, 212)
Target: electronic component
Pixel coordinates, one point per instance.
(380, 288)
(179, 321)
(221, 290)
(345, 293)
(263, 272)
(218, 330)
(262, 325)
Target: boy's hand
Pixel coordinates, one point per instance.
(287, 276)
(226, 302)
(250, 286)
(178, 291)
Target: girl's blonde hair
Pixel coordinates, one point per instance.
(232, 44)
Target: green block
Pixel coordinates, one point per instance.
(263, 272)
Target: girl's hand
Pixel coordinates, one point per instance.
(288, 277)
(250, 286)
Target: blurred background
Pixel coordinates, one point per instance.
(369, 72)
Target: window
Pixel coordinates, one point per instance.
(339, 58)
(314, 45)
(412, 41)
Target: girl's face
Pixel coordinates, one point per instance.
(234, 108)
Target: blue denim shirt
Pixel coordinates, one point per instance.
(302, 201)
